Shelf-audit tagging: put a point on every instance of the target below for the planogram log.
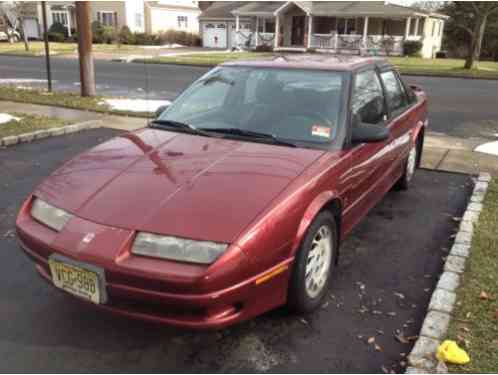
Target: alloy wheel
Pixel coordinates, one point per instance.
(318, 262)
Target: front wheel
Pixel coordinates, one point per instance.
(410, 167)
(313, 265)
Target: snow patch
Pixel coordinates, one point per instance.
(490, 148)
(172, 45)
(5, 118)
(135, 105)
(22, 80)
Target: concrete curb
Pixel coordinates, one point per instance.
(46, 133)
(422, 358)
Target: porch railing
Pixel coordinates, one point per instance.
(388, 44)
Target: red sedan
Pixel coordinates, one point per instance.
(235, 199)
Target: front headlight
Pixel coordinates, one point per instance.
(51, 216)
(174, 248)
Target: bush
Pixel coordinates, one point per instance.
(56, 37)
(125, 36)
(103, 34)
(179, 37)
(146, 39)
(441, 55)
(412, 48)
(58, 28)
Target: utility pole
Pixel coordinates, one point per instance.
(47, 50)
(87, 72)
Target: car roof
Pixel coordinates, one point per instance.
(315, 61)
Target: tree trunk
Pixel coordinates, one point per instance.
(476, 44)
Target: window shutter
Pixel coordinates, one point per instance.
(116, 20)
(99, 17)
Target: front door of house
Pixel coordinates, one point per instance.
(297, 37)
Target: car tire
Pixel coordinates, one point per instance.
(410, 166)
(314, 264)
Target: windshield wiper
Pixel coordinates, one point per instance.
(161, 124)
(250, 134)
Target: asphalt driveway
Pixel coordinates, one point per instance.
(382, 287)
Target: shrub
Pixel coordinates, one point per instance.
(441, 55)
(146, 39)
(179, 37)
(103, 34)
(265, 48)
(58, 28)
(125, 36)
(56, 37)
(412, 48)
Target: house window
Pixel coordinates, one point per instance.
(323, 25)
(182, 22)
(107, 18)
(269, 26)
(138, 20)
(433, 28)
(346, 26)
(60, 17)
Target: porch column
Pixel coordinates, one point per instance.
(365, 32)
(277, 31)
(68, 12)
(237, 31)
(310, 28)
(416, 25)
(407, 31)
(257, 31)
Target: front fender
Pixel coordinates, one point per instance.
(318, 203)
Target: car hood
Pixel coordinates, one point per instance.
(173, 183)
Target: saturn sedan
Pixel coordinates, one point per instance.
(235, 199)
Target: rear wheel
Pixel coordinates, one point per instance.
(313, 264)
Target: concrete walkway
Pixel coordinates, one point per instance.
(441, 152)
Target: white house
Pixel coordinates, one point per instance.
(181, 15)
(374, 27)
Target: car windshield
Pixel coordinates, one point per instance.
(298, 106)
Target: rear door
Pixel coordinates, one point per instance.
(400, 118)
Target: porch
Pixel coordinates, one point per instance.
(290, 31)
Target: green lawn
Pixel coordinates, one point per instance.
(209, 58)
(62, 99)
(29, 123)
(414, 65)
(475, 322)
(38, 49)
(451, 67)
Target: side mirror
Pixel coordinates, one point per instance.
(160, 110)
(367, 133)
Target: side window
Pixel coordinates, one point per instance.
(368, 97)
(394, 94)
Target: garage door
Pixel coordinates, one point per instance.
(214, 35)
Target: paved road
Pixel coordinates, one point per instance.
(398, 248)
(459, 107)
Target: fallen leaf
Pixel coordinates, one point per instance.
(484, 296)
(391, 313)
(465, 329)
(304, 321)
(324, 306)
(385, 370)
(376, 312)
(378, 348)
(468, 315)
(380, 332)
(402, 339)
(400, 295)
(412, 338)
(402, 363)
(371, 340)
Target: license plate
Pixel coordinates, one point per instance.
(80, 279)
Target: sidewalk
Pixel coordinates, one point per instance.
(75, 115)
(441, 152)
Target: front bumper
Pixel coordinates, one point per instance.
(212, 310)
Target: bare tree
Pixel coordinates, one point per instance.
(472, 17)
(16, 13)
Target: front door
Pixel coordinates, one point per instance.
(297, 37)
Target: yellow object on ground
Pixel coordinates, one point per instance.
(450, 352)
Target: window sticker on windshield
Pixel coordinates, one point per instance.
(320, 131)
